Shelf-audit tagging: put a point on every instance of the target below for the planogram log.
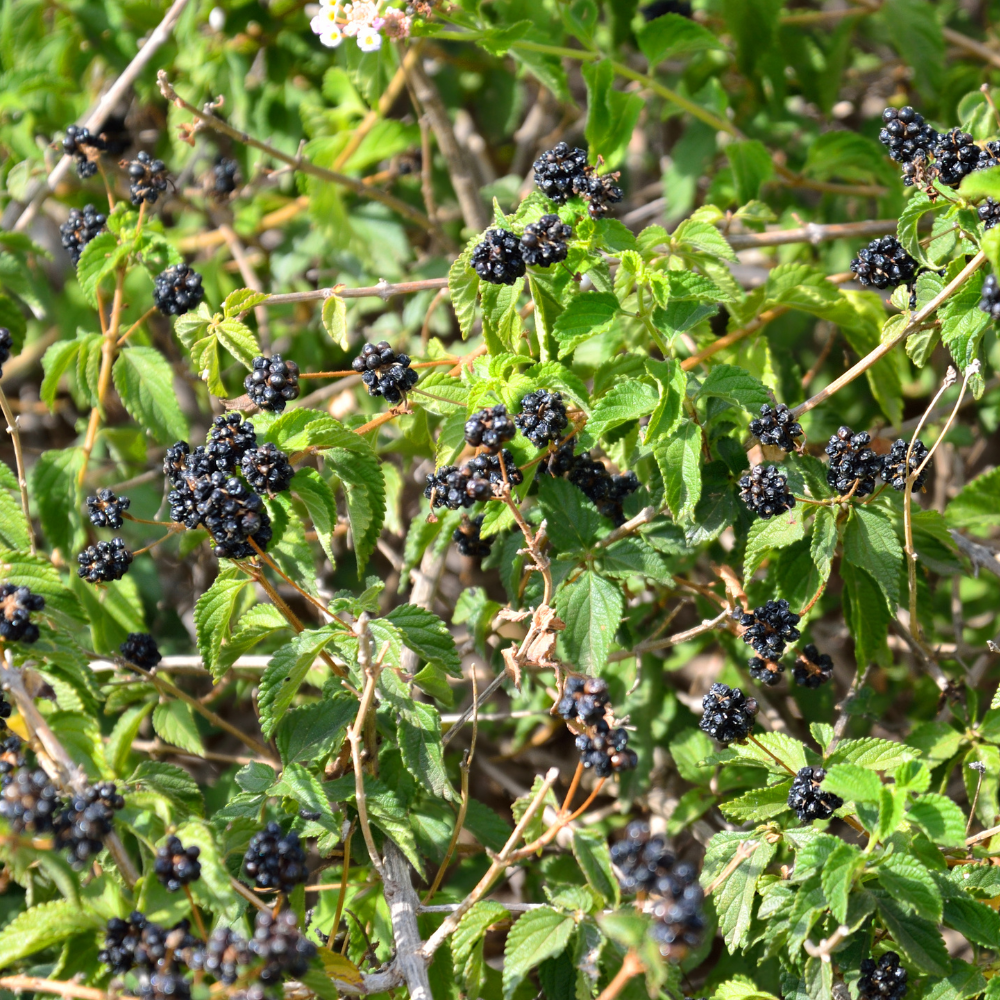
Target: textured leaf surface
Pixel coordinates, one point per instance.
(145, 383)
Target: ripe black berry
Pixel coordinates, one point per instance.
(29, 801)
(276, 940)
(229, 440)
(175, 462)
(767, 672)
(885, 264)
(557, 169)
(104, 562)
(882, 980)
(606, 751)
(267, 469)
(955, 155)
(453, 488)
(604, 490)
(729, 715)
(81, 826)
(894, 467)
(147, 178)
(272, 383)
(489, 428)
(106, 509)
(85, 147)
(121, 937)
(223, 956)
(16, 603)
(80, 228)
(232, 513)
(812, 668)
(275, 860)
(498, 258)
(852, 461)
(5, 711)
(584, 699)
(139, 943)
(6, 345)
(466, 536)
(165, 985)
(599, 190)
(543, 243)
(806, 799)
(140, 648)
(384, 372)
(768, 628)
(989, 213)
(224, 175)
(766, 491)
(542, 418)
(906, 135)
(177, 290)
(640, 859)
(990, 301)
(176, 865)
(776, 427)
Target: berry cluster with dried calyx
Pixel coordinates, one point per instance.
(882, 980)
(542, 418)
(644, 863)
(543, 243)
(147, 178)
(896, 470)
(989, 213)
(812, 668)
(989, 301)
(384, 372)
(267, 469)
(80, 828)
(80, 228)
(29, 801)
(16, 605)
(852, 461)
(104, 562)
(229, 438)
(562, 172)
(176, 865)
(766, 672)
(468, 539)
(498, 258)
(765, 491)
(489, 428)
(602, 748)
(224, 177)
(278, 942)
(272, 383)
(177, 290)
(884, 263)
(454, 487)
(769, 628)
(605, 490)
(106, 509)
(84, 148)
(275, 860)
(728, 715)
(776, 427)
(141, 649)
(807, 799)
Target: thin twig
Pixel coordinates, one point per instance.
(59, 988)
(631, 967)
(383, 290)
(671, 640)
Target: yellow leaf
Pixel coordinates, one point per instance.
(338, 967)
(17, 726)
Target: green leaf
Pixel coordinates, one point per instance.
(42, 926)
(870, 543)
(837, 876)
(260, 622)
(238, 339)
(774, 533)
(823, 546)
(752, 165)
(758, 804)
(335, 320)
(586, 315)
(592, 608)
(537, 935)
(463, 288)
(976, 921)
(872, 753)
(735, 385)
(672, 35)
(313, 731)
(145, 383)
(669, 409)
(853, 783)
(119, 745)
(965, 981)
(287, 670)
(312, 489)
(55, 363)
(305, 789)
(865, 612)
(918, 939)
(911, 885)
(418, 730)
(611, 114)
(99, 258)
(473, 926)
(170, 782)
(940, 818)
(734, 902)
(174, 724)
(976, 506)
(590, 848)
(53, 480)
(680, 461)
(914, 209)
(426, 635)
(212, 614)
(242, 300)
(627, 401)
(916, 35)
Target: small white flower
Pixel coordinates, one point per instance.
(325, 21)
(331, 39)
(217, 18)
(368, 38)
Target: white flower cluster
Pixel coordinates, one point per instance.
(365, 21)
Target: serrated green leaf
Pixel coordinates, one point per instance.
(145, 383)
(473, 926)
(312, 489)
(426, 635)
(537, 935)
(672, 35)
(310, 732)
(44, 925)
(590, 849)
(335, 321)
(734, 901)
(53, 481)
(758, 804)
(680, 462)
(823, 545)
(853, 783)
(774, 533)
(55, 363)
(736, 385)
(837, 877)
(940, 818)
(872, 753)
(212, 614)
(976, 506)
(628, 400)
(585, 316)
(918, 939)
(592, 608)
(238, 339)
(911, 885)
(242, 300)
(99, 258)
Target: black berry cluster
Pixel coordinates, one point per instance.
(272, 383)
(384, 372)
(229, 439)
(768, 628)
(468, 539)
(885, 264)
(6, 345)
(5, 711)
(122, 938)
(489, 428)
(230, 511)
(990, 297)
(542, 418)
(812, 668)
(267, 469)
(222, 957)
(645, 864)
(728, 715)
(147, 178)
(275, 860)
(606, 491)
(989, 213)
(166, 985)
(176, 865)
(84, 147)
(766, 672)
(104, 561)
(224, 175)
(139, 943)
(557, 170)
(765, 491)
(284, 950)
(882, 980)
(543, 243)
(852, 461)
(29, 801)
(81, 827)
(16, 605)
(955, 155)
(894, 466)
(776, 427)
(454, 487)
(602, 749)
(906, 135)
(80, 228)
(808, 800)
(498, 259)
(106, 509)
(177, 290)
(140, 648)
(599, 191)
